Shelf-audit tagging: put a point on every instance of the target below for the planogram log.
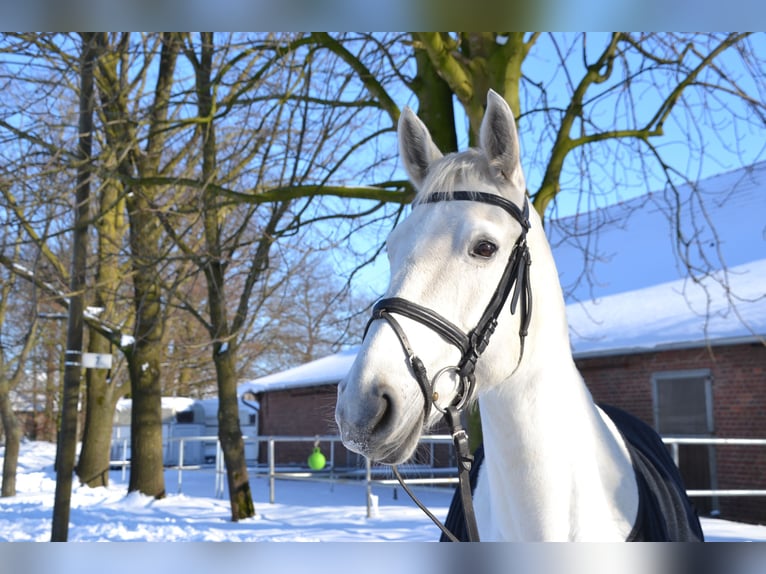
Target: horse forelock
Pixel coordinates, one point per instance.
(456, 172)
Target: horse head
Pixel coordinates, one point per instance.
(447, 261)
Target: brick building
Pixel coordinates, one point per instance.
(658, 328)
(301, 402)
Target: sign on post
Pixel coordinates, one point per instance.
(97, 361)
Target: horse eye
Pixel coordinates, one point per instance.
(484, 249)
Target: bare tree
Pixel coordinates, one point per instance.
(67, 443)
(284, 148)
(15, 347)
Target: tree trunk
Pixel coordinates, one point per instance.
(435, 105)
(224, 338)
(230, 434)
(67, 443)
(145, 356)
(102, 394)
(146, 465)
(53, 373)
(93, 464)
(12, 432)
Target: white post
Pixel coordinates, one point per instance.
(369, 486)
(219, 472)
(332, 466)
(180, 463)
(271, 470)
(124, 457)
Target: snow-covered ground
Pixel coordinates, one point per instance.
(303, 511)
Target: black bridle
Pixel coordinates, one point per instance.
(471, 345)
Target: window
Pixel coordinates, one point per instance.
(683, 406)
(683, 403)
(185, 417)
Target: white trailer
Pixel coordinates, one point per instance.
(184, 417)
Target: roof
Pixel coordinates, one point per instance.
(637, 295)
(327, 370)
(633, 244)
(673, 314)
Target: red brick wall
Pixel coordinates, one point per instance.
(739, 407)
(303, 411)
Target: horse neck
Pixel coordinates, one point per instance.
(549, 454)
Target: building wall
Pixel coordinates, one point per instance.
(302, 411)
(738, 374)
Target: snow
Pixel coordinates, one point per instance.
(673, 313)
(303, 511)
(330, 369)
(632, 245)
(627, 288)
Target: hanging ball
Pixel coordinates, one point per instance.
(316, 459)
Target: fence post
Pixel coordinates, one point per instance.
(369, 486)
(180, 463)
(676, 456)
(219, 470)
(332, 466)
(124, 457)
(271, 470)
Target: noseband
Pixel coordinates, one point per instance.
(472, 344)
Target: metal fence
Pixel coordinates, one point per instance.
(675, 442)
(423, 474)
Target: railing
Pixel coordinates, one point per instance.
(674, 443)
(372, 475)
(331, 473)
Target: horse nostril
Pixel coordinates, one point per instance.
(382, 417)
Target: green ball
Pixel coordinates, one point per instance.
(317, 460)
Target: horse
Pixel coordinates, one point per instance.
(474, 298)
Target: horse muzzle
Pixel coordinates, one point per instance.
(378, 424)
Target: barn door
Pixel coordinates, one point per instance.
(683, 407)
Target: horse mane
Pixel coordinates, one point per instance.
(451, 172)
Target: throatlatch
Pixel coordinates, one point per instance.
(471, 345)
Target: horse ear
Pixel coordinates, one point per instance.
(500, 141)
(416, 147)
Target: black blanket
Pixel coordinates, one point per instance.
(665, 513)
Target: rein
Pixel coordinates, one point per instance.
(471, 345)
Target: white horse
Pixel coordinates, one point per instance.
(556, 467)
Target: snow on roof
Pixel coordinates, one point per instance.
(633, 244)
(677, 313)
(169, 404)
(327, 370)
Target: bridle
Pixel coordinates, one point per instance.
(471, 345)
